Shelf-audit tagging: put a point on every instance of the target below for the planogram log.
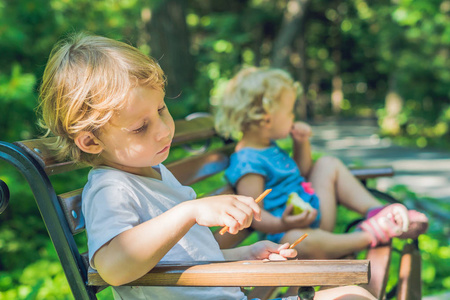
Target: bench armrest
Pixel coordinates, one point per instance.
(372, 172)
(252, 273)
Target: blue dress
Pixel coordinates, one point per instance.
(281, 174)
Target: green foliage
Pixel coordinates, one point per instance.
(16, 94)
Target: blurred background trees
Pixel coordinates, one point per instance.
(386, 59)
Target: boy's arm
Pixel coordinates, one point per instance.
(302, 155)
(134, 252)
(239, 253)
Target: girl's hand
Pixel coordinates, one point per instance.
(302, 220)
(271, 251)
(301, 132)
(234, 211)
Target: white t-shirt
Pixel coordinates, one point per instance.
(114, 201)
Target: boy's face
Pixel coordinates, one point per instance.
(138, 136)
(282, 118)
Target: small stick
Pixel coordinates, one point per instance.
(298, 241)
(257, 200)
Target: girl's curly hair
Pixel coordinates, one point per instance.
(248, 96)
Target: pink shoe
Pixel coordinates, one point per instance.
(391, 221)
(418, 224)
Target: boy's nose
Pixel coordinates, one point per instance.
(164, 131)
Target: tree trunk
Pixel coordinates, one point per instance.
(393, 106)
(169, 43)
(337, 95)
(282, 47)
(304, 107)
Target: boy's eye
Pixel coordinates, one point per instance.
(161, 110)
(141, 129)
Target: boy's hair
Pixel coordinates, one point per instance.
(86, 80)
(248, 96)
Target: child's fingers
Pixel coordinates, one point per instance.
(283, 246)
(302, 216)
(281, 252)
(301, 132)
(243, 216)
(285, 251)
(250, 202)
(244, 208)
(232, 224)
(301, 220)
(312, 215)
(288, 253)
(273, 251)
(302, 128)
(401, 216)
(241, 213)
(276, 256)
(288, 210)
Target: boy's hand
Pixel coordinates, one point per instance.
(234, 211)
(301, 132)
(297, 221)
(271, 251)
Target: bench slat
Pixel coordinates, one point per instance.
(39, 150)
(193, 130)
(251, 273)
(197, 168)
(372, 172)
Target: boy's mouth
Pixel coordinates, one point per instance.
(164, 149)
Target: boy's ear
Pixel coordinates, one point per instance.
(88, 143)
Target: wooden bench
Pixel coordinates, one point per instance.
(63, 219)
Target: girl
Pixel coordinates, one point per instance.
(259, 104)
